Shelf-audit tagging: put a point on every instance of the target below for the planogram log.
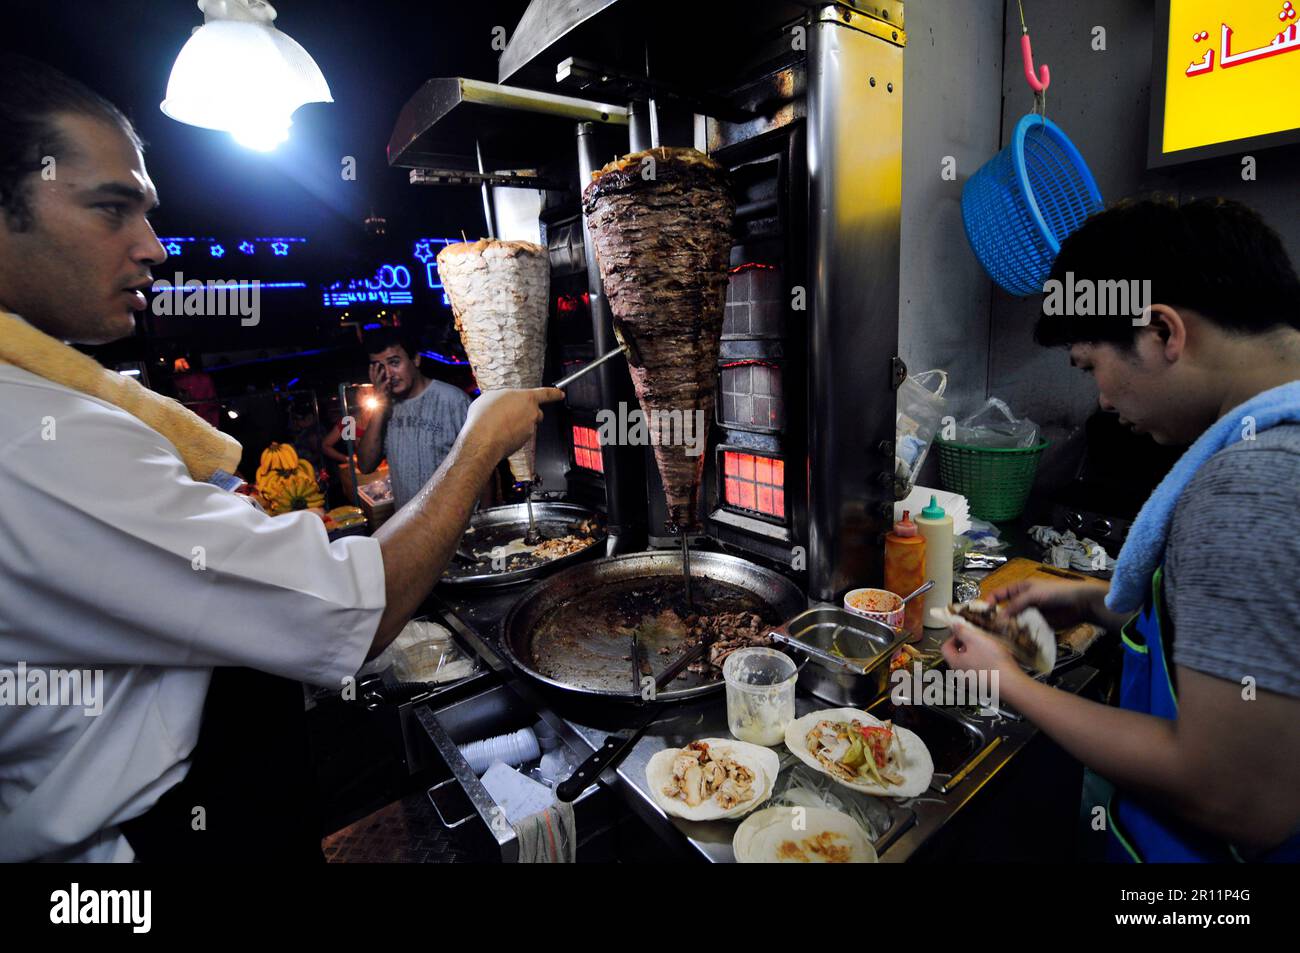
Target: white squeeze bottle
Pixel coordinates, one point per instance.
(935, 526)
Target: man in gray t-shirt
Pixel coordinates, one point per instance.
(1203, 745)
(416, 420)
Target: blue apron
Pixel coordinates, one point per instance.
(1138, 832)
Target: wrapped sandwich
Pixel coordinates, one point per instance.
(1028, 635)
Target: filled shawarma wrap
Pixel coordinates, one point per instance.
(712, 778)
(862, 752)
(1028, 635)
(801, 835)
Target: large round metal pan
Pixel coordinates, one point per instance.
(501, 524)
(599, 659)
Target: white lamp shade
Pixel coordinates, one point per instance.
(245, 78)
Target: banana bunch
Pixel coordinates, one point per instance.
(299, 491)
(286, 481)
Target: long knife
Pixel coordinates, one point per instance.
(616, 747)
(566, 381)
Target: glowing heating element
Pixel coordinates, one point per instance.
(755, 483)
(586, 449)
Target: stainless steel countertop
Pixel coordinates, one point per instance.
(902, 825)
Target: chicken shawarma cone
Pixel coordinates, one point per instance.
(499, 292)
(661, 224)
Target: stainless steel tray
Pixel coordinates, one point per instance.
(606, 653)
(492, 527)
(862, 640)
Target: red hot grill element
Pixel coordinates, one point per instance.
(755, 483)
(752, 395)
(756, 302)
(572, 306)
(586, 449)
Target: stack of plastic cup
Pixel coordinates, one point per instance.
(514, 749)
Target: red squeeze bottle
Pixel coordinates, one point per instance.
(905, 571)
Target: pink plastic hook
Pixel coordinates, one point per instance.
(1027, 54)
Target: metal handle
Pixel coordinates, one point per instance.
(819, 654)
(571, 787)
(970, 766)
(437, 810)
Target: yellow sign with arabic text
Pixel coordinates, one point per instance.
(1233, 71)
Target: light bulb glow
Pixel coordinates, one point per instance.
(246, 78)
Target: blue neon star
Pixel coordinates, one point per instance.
(423, 252)
(247, 248)
(280, 248)
(173, 248)
(216, 251)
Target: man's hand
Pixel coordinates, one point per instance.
(1063, 604)
(973, 649)
(505, 420)
(382, 386)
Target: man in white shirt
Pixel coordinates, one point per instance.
(113, 559)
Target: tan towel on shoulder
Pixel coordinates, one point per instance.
(203, 448)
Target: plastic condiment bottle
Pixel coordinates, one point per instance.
(935, 527)
(905, 570)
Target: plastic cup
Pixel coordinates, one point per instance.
(760, 694)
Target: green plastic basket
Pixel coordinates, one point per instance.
(996, 482)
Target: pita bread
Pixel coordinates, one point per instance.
(797, 835)
(1031, 619)
(916, 764)
(764, 762)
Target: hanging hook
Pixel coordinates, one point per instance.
(1037, 84)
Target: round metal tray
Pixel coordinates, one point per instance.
(501, 523)
(582, 584)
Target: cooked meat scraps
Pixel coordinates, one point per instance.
(499, 295)
(700, 774)
(661, 224)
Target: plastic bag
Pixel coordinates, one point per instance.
(920, 410)
(994, 425)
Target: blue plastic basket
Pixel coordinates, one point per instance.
(1024, 202)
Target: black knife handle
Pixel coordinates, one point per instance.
(589, 770)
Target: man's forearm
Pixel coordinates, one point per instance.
(1129, 748)
(1140, 753)
(418, 541)
(1103, 615)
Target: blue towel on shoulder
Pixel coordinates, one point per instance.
(1144, 549)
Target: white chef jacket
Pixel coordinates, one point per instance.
(98, 534)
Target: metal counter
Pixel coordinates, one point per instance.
(975, 753)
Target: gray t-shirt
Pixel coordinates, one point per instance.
(420, 434)
(1233, 556)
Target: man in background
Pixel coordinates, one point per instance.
(415, 421)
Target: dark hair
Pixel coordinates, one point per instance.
(381, 339)
(31, 95)
(1214, 256)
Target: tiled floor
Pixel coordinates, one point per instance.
(405, 832)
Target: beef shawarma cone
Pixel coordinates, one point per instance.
(661, 222)
(500, 292)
